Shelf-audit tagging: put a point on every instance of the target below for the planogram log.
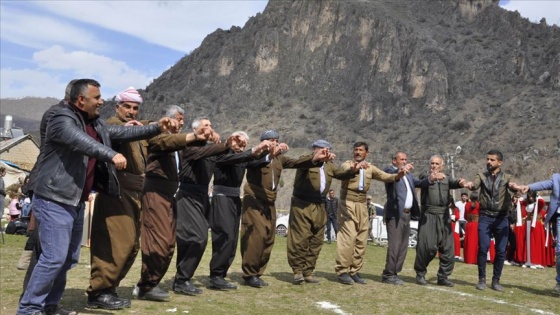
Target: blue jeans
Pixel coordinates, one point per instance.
(60, 234)
(488, 227)
(557, 248)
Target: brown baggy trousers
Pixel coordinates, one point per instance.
(305, 235)
(258, 229)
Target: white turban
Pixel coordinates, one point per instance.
(129, 95)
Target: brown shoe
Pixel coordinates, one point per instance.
(311, 279)
(298, 278)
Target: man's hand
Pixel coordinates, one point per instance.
(133, 123)
(279, 149)
(436, 176)
(214, 137)
(521, 188)
(167, 124)
(120, 161)
(320, 155)
(262, 147)
(230, 139)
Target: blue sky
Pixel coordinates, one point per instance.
(45, 44)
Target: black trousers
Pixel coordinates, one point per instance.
(193, 209)
(225, 216)
(512, 241)
(331, 219)
(398, 232)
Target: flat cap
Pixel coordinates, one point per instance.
(369, 197)
(270, 134)
(321, 144)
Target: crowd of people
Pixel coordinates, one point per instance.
(152, 181)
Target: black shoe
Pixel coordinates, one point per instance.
(445, 282)
(56, 310)
(344, 278)
(155, 294)
(106, 301)
(481, 284)
(263, 284)
(186, 288)
(496, 286)
(421, 280)
(356, 278)
(127, 303)
(394, 280)
(254, 281)
(556, 289)
(220, 283)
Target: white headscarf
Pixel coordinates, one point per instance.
(129, 95)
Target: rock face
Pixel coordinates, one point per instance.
(419, 76)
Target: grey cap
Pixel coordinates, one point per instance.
(321, 144)
(270, 134)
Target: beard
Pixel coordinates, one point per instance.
(491, 168)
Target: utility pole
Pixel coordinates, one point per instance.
(450, 158)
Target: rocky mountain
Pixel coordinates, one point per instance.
(419, 76)
(422, 76)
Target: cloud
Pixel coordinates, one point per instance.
(55, 67)
(40, 31)
(178, 25)
(15, 83)
(535, 10)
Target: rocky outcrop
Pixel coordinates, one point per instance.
(419, 76)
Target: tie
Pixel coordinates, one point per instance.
(361, 183)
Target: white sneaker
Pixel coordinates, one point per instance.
(507, 263)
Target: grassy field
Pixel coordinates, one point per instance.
(526, 291)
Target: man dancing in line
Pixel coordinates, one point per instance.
(258, 216)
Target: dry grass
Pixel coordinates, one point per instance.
(526, 290)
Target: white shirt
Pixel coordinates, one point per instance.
(461, 206)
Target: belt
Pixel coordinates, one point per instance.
(406, 210)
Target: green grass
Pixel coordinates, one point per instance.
(526, 291)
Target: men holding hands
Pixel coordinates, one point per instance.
(167, 178)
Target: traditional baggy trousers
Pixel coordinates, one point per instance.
(224, 223)
(435, 234)
(115, 236)
(258, 229)
(192, 230)
(306, 234)
(157, 236)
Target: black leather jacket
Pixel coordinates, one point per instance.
(67, 149)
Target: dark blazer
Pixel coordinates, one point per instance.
(396, 195)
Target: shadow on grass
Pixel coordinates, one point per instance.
(548, 292)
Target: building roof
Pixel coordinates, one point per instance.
(22, 151)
